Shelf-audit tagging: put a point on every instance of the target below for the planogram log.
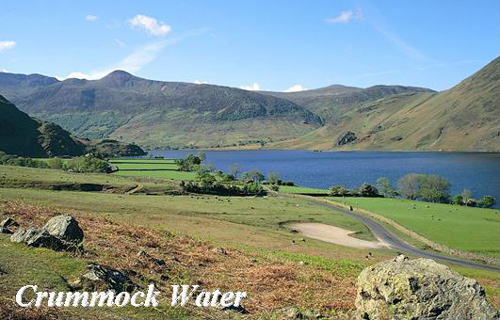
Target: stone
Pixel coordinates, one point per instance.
(9, 222)
(43, 239)
(21, 235)
(65, 227)
(295, 313)
(101, 277)
(419, 289)
(348, 137)
(5, 230)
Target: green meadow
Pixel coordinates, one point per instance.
(457, 227)
(150, 168)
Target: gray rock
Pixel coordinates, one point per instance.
(38, 238)
(295, 313)
(65, 227)
(5, 230)
(419, 289)
(22, 235)
(9, 222)
(43, 239)
(348, 137)
(101, 277)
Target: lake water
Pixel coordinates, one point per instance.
(479, 172)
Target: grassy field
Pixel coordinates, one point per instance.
(298, 190)
(275, 266)
(458, 227)
(151, 168)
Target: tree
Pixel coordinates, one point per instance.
(488, 201)
(273, 178)
(467, 196)
(384, 187)
(339, 191)
(367, 190)
(433, 188)
(253, 175)
(409, 185)
(201, 155)
(458, 200)
(235, 170)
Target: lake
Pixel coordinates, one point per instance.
(479, 172)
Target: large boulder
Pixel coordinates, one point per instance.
(419, 289)
(59, 233)
(65, 227)
(38, 238)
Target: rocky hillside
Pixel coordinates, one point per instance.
(25, 136)
(464, 118)
(130, 108)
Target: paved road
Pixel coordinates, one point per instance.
(397, 244)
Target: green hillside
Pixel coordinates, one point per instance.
(464, 118)
(148, 112)
(25, 136)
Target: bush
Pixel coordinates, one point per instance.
(488, 202)
(254, 175)
(55, 163)
(367, 190)
(11, 160)
(191, 162)
(457, 200)
(274, 187)
(87, 164)
(339, 191)
(385, 188)
(287, 183)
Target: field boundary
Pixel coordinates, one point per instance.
(435, 246)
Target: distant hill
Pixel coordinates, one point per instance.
(129, 108)
(464, 118)
(334, 101)
(25, 136)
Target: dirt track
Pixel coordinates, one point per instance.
(327, 233)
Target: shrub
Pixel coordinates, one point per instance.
(339, 191)
(457, 200)
(274, 187)
(385, 188)
(55, 163)
(288, 183)
(191, 162)
(273, 178)
(488, 202)
(87, 164)
(367, 190)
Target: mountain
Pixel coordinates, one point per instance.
(334, 101)
(25, 136)
(464, 118)
(125, 107)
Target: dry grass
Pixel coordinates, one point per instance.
(149, 255)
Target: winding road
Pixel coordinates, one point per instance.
(395, 243)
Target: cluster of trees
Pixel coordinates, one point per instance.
(432, 188)
(88, 163)
(83, 164)
(465, 199)
(366, 190)
(217, 182)
(192, 162)
(12, 160)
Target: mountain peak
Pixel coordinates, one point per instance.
(118, 78)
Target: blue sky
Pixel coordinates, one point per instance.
(267, 45)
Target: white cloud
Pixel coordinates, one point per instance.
(346, 16)
(131, 63)
(6, 45)
(3, 70)
(150, 24)
(199, 82)
(295, 88)
(252, 87)
(137, 59)
(91, 17)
